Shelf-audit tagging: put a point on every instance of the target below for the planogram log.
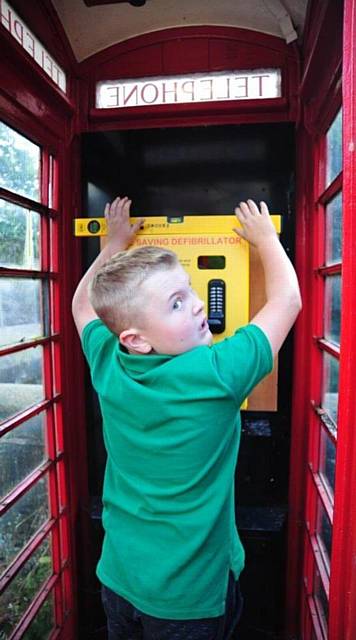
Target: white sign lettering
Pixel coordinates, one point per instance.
(234, 85)
(11, 21)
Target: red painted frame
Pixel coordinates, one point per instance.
(31, 103)
(190, 50)
(41, 111)
(321, 98)
(343, 584)
(49, 470)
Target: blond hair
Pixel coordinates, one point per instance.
(114, 291)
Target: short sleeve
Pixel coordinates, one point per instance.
(96, 339)
(243, 360)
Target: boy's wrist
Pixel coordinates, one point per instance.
(267, 241)
(114, 245)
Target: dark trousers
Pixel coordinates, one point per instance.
(125, 622)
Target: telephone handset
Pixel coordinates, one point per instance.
(216, 305)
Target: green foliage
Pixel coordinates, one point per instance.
(19, 163)
(19, 172)
(12, 234)
(19, 595)
(19, 304)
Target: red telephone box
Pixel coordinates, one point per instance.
(297, 461)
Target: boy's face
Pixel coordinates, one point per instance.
(173, 317)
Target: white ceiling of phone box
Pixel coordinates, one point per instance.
(91, 29)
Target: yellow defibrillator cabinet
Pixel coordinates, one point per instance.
(219, 263)
(215, 257)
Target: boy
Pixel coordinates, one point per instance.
(170, 402)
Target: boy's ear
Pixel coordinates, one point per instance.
(134, 341)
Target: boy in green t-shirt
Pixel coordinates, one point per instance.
(170, 402)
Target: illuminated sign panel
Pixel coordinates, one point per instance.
(233, 85)
(11, 21)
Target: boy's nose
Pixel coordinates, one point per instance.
(198, 304)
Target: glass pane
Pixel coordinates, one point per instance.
(330, 391)
(21, 381)
(21, 591)
(50, 181)
(334, 149)
(21, 521)
(321, 599)
(324, 529)
(332, 308)
(20, 310)
(43, 622)
(333, 230)
(19, 237)
(20, 162)
(327, 459)
(21, 451)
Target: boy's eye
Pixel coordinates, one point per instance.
(177, 303)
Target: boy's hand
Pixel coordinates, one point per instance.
(120, 235)
(256, 224)
(121, 232)
(283, 301)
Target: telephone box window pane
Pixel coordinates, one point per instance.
(321, 600)
(20, 310)
(330, 392)
(327, 459)
(50, 181)
(19, 237)
(20, 592)
(20, 162)
(22, 521)
(333, 230)
(21, 451)
(21, 381)
(44, 620)
(334, 149)
(332, 308)
(324, 529)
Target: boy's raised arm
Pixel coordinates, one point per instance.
(120, 235)
(283, 304)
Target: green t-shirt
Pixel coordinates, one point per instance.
(172, 430)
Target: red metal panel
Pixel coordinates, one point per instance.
(190, 49)
(43, 20)
(26, 84)
(126, 65)
(242, 51)
(74, 481)
(174, 115)
(176, 61)
(99, 62)
(32, 104)
(322, 60)
(300, 405)
(343, 579)
(320, 93)
(343, 584)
